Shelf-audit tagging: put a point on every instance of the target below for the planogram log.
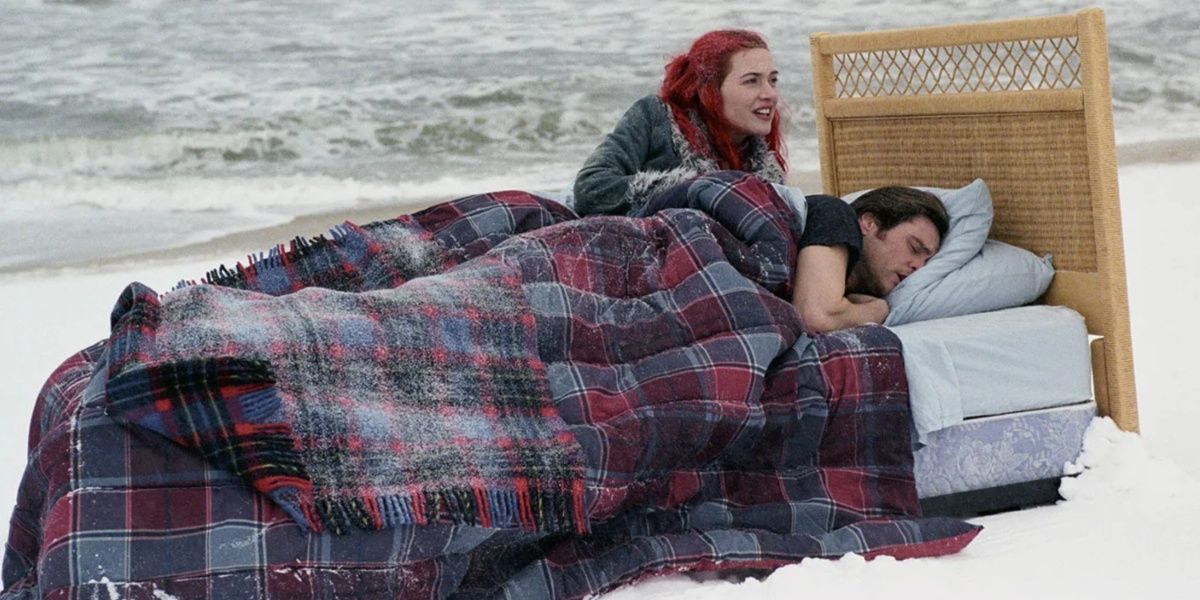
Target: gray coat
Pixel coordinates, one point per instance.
(647, 153)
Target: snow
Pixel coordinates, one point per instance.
(1127, 530)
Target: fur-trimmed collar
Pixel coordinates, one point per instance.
(692, 163)
(757, 156)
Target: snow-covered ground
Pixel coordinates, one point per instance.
(1128, 528)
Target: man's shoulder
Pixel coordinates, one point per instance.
(831, 221)
(829, 207)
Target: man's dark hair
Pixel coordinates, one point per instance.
(894, 205)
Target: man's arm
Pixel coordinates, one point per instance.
(819, 292)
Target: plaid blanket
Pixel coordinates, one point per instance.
(714, 437)
(420, 403)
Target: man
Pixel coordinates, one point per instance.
(850, 257)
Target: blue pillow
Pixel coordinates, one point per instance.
(999, 276)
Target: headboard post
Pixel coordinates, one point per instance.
(1106, 211)
(1024, 104)
(823, 87)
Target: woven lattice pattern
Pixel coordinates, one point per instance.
(1044, 64)
(1034, 164)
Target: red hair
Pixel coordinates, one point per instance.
(693, 83)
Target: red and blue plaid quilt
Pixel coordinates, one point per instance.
(558, 406)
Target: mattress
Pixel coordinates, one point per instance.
(1001, 450)
(993, 363)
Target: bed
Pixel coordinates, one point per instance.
(1024, 105)
(724, 441)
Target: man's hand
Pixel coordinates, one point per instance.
(878, 306)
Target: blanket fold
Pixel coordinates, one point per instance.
(395, 400)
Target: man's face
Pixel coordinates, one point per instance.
(888, 256)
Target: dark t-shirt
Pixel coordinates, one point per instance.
(831, 222)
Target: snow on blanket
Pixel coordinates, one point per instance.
(490, 397)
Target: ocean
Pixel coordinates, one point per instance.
(137, 125)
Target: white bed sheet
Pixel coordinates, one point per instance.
(993, 363)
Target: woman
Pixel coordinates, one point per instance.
(717, 109)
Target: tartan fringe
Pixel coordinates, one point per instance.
(545, 510)
(238, 276)
(276, 258)
(241, 275)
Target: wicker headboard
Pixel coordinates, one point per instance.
(1025, 105)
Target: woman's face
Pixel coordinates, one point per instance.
(749, 93)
